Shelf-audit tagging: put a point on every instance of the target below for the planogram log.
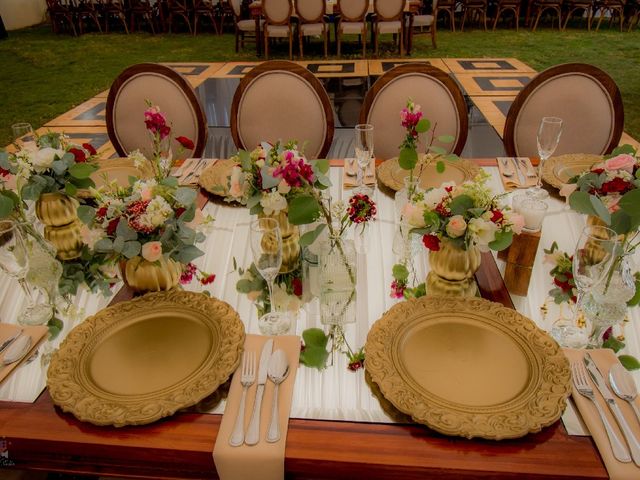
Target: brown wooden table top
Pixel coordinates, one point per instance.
(39, 436)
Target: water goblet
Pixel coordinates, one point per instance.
(24, 133)
(14, 260)
(547, 141)
(266, 247)
(364, 151)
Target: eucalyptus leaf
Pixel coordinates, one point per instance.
(189, 214)
(437, 150)
(314, 357)
(70, 189)
(125, 231)
(185, 196)
(254, 200)
(171, 182)
(581, 202)
(626, 148)
(86, 214)
(104, 245)
(59, 167)
(630, 203)
(243, 286)
(503, 240)
(613, 343)
(629, 362)
(315, 337)
(268, 180)
(255, 210)
(118, 244)
(460, 204)
(400, 272)
(245, 159)
(423, 125)
(6, 206)
(446, 138)
(303, 209)
(187, 254)
(82, 182)
(408, 158)
(32, 191)
(601, 210)
(82, 170)
(321, 165)
(131, 249)
(311, 236)
(620, 222)
(440, 166)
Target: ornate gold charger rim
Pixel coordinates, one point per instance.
(111, 164)
(539, 404)
(580, 160)
(72, 388)
(214, 178)
(385, 171)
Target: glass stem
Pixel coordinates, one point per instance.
(270, 286)
(579, 299)
(539, 180)
(26, 289)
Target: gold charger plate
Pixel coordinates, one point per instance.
(141, 360)
(215, 178)
(557, 171)
(468, 367)
(116, 170)
(458, 171)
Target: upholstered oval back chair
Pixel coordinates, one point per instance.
(280, 100)
(586, 98)
(439, 96)
(163, 87)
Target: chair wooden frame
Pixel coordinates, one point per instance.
(181, 9)
(430, 71)
(114, 8)
(608, 84)
(269, 21)
(206, 8)
(86, 10)
(541, 6)
(320, 19)
(474, 6)
(59, 12)
(504, 6)
(235, 5)
(398, 17)
(358, 18)
(449, 7)
(614, 7)
(144, 10)
(279, 66)
(154, 68)
(574, 6)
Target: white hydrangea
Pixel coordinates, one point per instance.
(433, 197)
(138, 158)
(273, 203)
(158, 211)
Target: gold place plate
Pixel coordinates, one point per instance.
(470, 368)
(458, 171)
(557, 171)
(141, 360)
(215, 178)
(116, 170)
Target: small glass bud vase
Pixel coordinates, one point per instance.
(338, 275)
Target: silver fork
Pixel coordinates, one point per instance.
(247, 378)
(581, 382)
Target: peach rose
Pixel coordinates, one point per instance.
(517, 222)
(456, 226)
(146, 194)
(236, 182)
(623, 161)
(413, 214)
(152, 251)
(567, 189)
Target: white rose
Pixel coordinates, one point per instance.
(413, 214)
(273, 203)
(484, 232)
(43, 159)
(433, 197)
(456, 226)
(90, 236)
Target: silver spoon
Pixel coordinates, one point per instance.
(277, 372)
(623, 385)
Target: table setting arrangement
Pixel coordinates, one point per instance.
(314, 268)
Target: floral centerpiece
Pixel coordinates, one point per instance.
(609, 193)
(456, 223)
(145, 225)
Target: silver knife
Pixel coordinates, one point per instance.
(521, 179)
(253, 432)
(10, 340)
(599, 381)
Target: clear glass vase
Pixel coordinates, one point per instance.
(337, 279)
(606, 304)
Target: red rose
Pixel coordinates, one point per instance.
(208, 279)
(616, 185)
(598, 171)
(355, 366)
(296, 283)
(185, 142)
(101, 213)
(496, 216)
(180, 211)
(432, 242)
(89, 148)
(112, 226)
(4, 173)
(79, 155)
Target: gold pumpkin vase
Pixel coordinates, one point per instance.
(290, 241)
(58, 213)
(143, 276)
(452, 271)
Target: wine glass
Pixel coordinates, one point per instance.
(592, 259)
(547, 140)
(14, 260)
(266, 246)
(24, 133)
(364, 150)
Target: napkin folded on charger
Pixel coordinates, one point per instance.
(37, 334)
(188, 171)
(350, 174)
(512, 174)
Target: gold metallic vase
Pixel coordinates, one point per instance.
(290, 241)
(58, 213)
(143, 276)
(452, 271)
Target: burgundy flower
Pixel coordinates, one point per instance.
(185, 142)
(432, 242)
(89, 148)
(180, 211)
(208, 279)
(361, 208)
(101, 212)
(296, 284)
(112, 225)
(616, 185)
(187, 274)
(294, 171)
(4, 173)
(397, 289)
(496, 216)
(442, 210)
(356, 365)
(79, 155)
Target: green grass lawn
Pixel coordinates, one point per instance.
(45, 75)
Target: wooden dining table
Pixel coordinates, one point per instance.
(38, 436)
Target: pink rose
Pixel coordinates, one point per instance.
(623, 161)
(567, 189)
(152, 251)
(146, 194)
(456, 226)
(517, 222)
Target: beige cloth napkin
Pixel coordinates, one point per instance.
(38, 334)
(604, 359)
(350, 173)
(511, 171)
(264, 460)
(188, 172)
